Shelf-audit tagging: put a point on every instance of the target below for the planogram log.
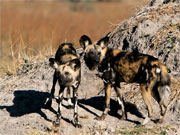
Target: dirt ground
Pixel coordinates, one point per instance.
(22, 99)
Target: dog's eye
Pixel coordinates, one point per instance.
(66, 73)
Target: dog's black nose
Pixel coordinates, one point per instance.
(97, 60)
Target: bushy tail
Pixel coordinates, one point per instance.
(164, 93)
(164, 87)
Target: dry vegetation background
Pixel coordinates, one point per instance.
(36, 28)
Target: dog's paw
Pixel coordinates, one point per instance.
(77, 125)
(146, 120)
(56, 123)
(102, 117)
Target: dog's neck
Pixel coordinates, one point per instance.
(108, 55)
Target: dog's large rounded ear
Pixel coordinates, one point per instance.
(103, 41)
(53, 63)
(85, 41)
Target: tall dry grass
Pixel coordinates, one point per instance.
(28, 29)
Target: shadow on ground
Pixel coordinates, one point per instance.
(98, 103)
(32, 101)
(28, 101)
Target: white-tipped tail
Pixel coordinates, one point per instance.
(158, 70)
(164, 93)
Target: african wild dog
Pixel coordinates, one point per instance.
(68, 74)
(121, 66)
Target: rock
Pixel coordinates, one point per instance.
(160, 2)
(154, 30)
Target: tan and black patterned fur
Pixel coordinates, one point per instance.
(130, 67)
(68, 74)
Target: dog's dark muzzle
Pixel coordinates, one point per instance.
(91, 61)
(65, 80)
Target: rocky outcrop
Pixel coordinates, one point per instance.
(154, 30)
(160, 2)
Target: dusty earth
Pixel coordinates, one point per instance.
(22, 96)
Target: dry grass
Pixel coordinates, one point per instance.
(140, 130)
(30, 29)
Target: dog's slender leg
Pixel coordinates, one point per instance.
(70, 105)
(146, 94)
(120, 101)
(59, 105)
(75, 119)
(163, 109)
(49, 102)
(164, 91)
(107, 102)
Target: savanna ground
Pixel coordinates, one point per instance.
(30, 33)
